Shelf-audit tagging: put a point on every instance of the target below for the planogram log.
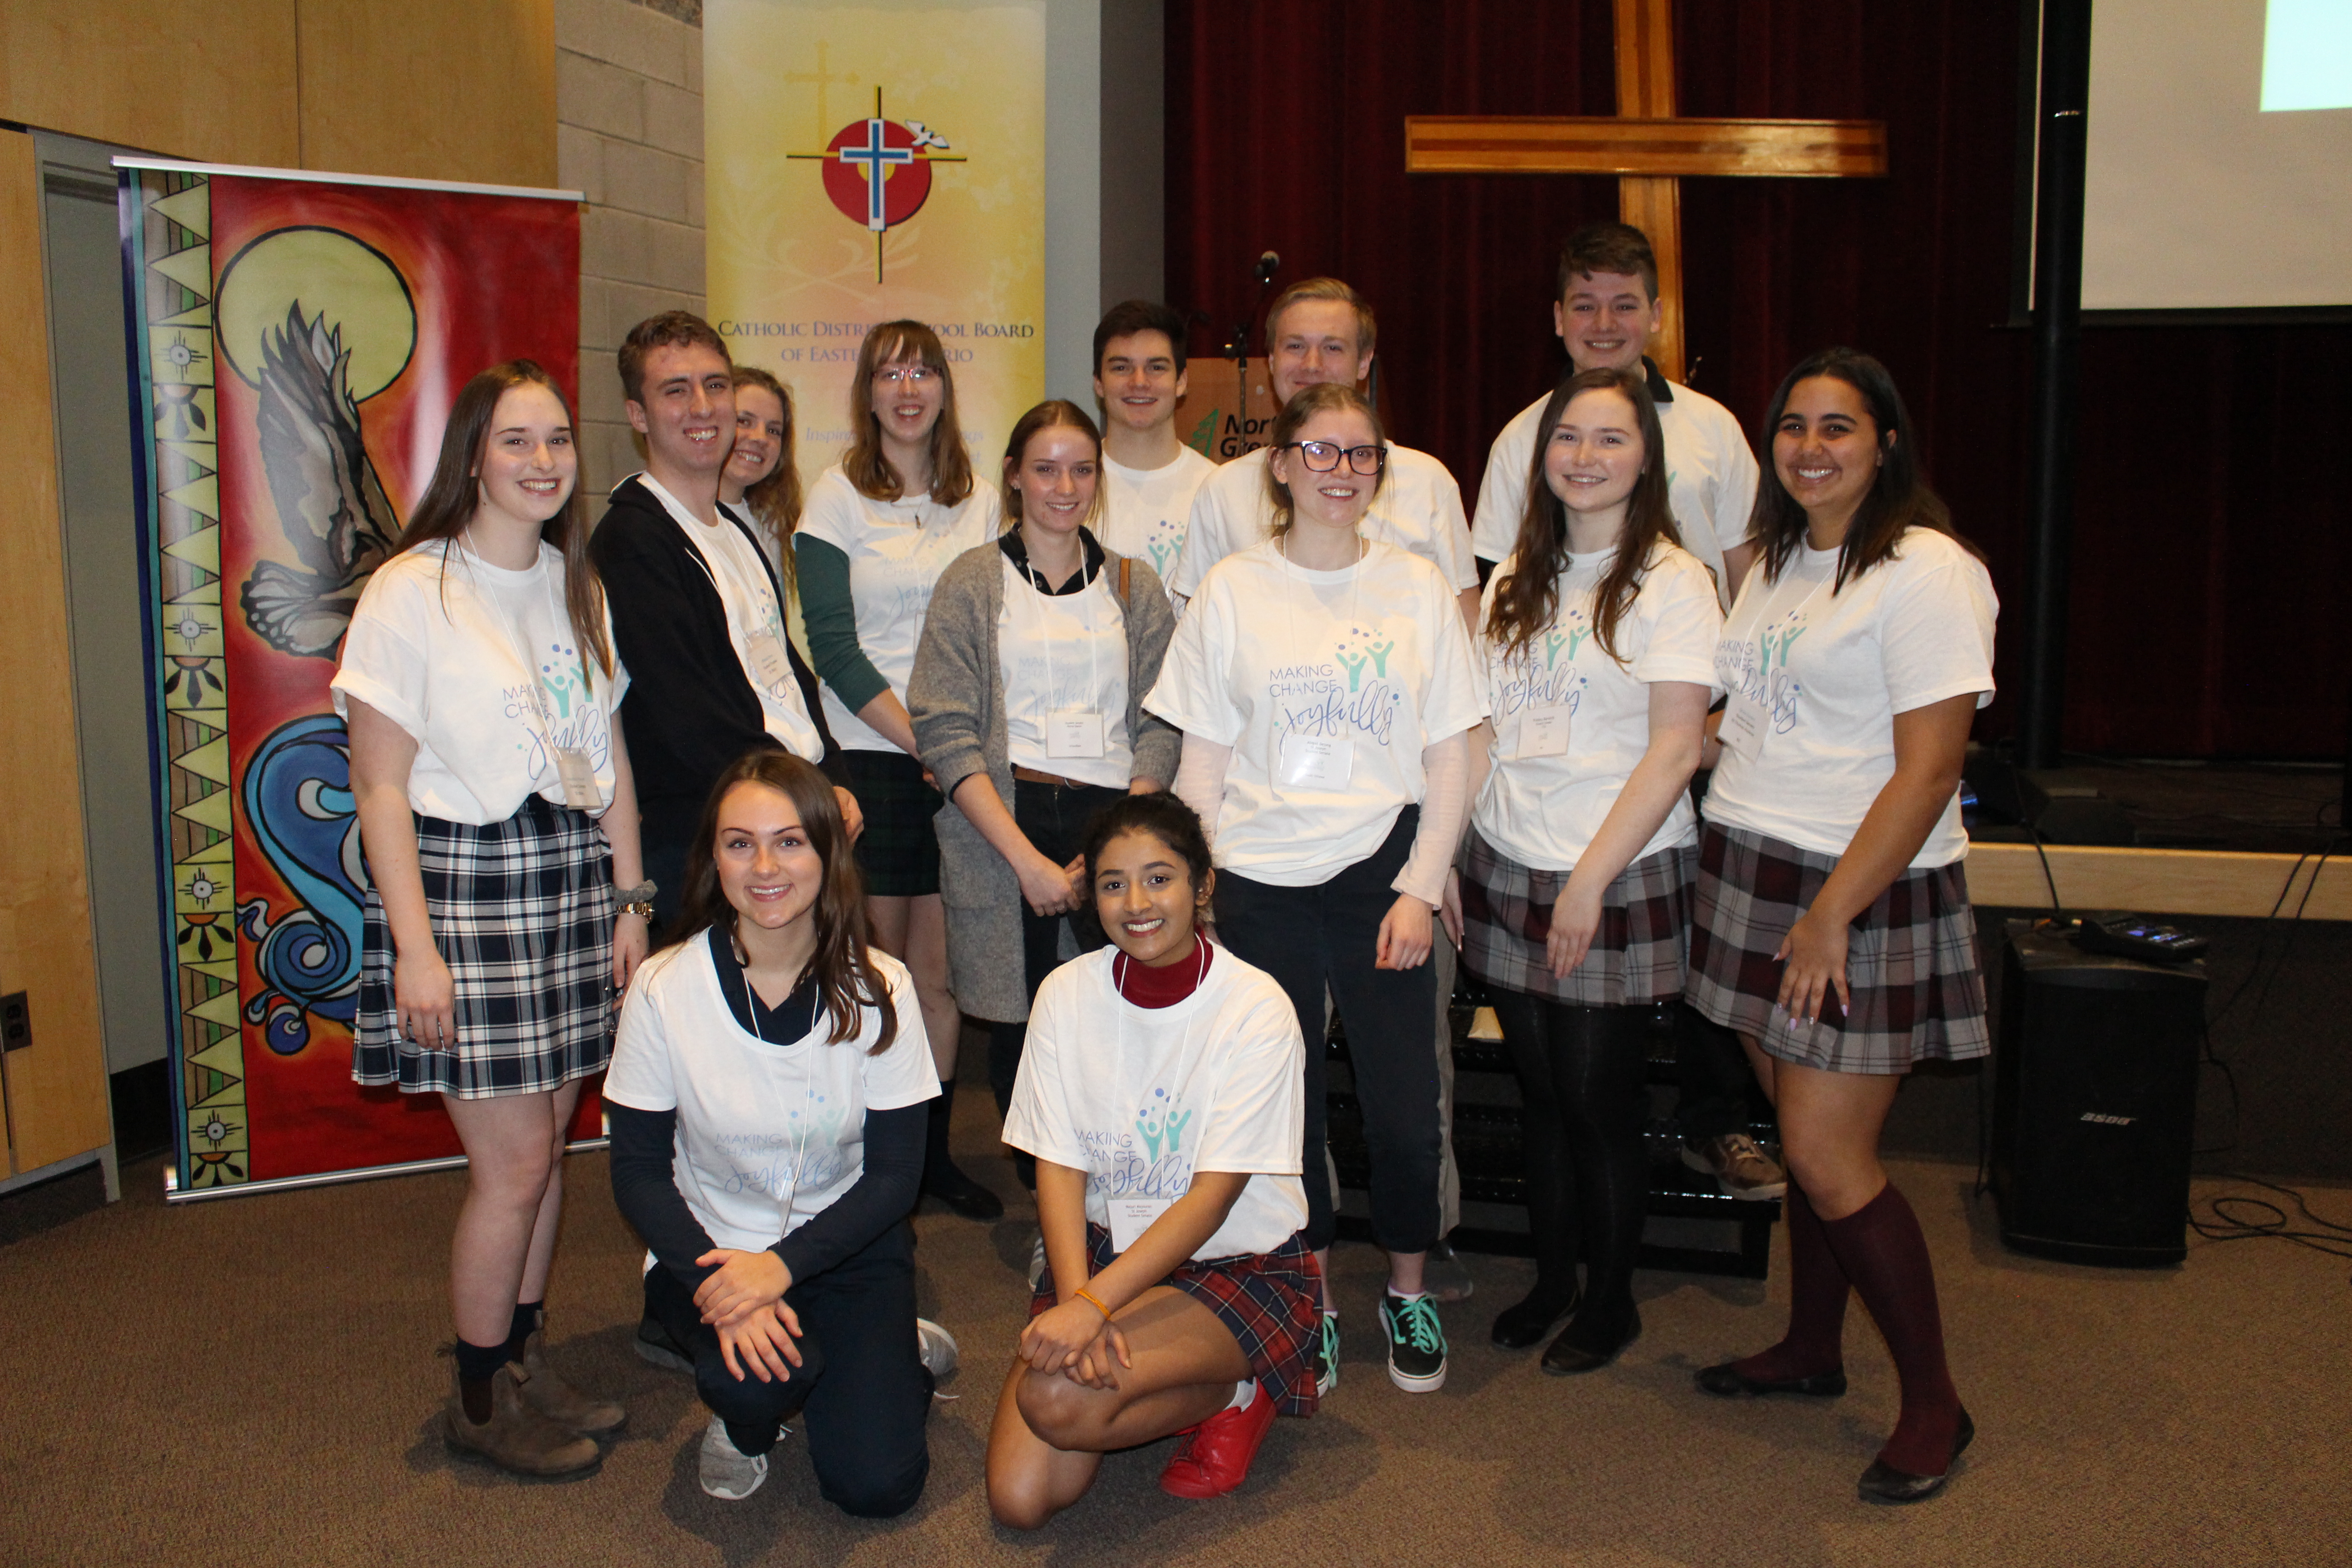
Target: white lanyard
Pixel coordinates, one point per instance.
(808, 1088)
(1132, 1216)
(574, 769)
(763, 653)
(1069, 731)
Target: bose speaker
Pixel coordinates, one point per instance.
(2095, 1103)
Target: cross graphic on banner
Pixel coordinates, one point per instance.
(876, 170)
(1647, 146)
(820, 78)
(876, 159)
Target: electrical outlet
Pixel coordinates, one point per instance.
(16, 1021)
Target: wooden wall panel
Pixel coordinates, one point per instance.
(57, 1087)
(211, 80)
(430, 89)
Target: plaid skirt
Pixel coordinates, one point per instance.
(1911, 959)
(1272, 1302)
(898, 853)
(523, 914)
(1636, 955)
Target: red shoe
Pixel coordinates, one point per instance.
(1216, 1458)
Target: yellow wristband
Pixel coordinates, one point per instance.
(1083, 1295)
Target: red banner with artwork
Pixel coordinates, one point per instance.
(301, 340)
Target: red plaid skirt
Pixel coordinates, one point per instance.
(1911, 959)
(1636, 956)
(1271, 1301)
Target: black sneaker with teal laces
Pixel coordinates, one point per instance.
(1416, 1342)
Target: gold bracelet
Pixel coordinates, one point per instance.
(1085, 1296)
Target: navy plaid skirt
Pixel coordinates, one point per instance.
(1911, 959)
(1636, 956)
(898, 853)
(523, 914)
(1271, 1301)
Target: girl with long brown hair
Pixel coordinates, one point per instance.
(881, 526)
(497, 813)
(767, 1105)
(1596, 640)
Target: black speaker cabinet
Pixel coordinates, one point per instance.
(2095, 1098)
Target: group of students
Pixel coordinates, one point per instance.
(803, 781)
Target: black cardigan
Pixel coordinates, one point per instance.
(690, 711)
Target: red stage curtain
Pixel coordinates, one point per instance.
(2212, 549)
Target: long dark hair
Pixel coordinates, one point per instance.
(1323, 397)
(1527, 600)
(1898, 498)
(1054, 413)
(864, 465)
(455, 494)
(848, 978)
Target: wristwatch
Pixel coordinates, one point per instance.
(638, 900)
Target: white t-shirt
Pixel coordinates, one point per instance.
(739, 571)
(1417, 509)
(1145, 510)
(478, 664)
(1327, 685)
(897, 550)
(1064, 654)
(1140, 1098)
(1831, 673)
(1541, 806)
(1710, 480)
(769, 1136)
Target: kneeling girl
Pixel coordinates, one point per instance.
(768, 1097)
(1159, 1091)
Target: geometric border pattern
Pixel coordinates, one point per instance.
(169, 237)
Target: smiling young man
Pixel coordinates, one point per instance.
(1322, 331)
(1149, 476)
(1606, 309)
(695, 608)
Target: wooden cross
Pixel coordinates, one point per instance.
(1648, 148)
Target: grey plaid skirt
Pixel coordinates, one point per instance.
(523, 914)
(1636, 955)
(1911, 959)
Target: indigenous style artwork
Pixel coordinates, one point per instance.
(829, 209)
(298, 341)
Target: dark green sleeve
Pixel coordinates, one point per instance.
(831, 618)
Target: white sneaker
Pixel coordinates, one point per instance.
(728, 1473)
(1037, 1262)
(937, 1348)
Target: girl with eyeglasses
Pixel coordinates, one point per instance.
(1598, 639)
(1325, 685)
(881, 526)
(1027, 701)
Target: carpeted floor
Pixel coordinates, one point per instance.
(252, 1382)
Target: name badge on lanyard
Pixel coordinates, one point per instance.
(1745, 726)
(1131, 1216)
(1073, 733)
(1326, 761)
(1543, 729)
(579, 776)
(766, 659)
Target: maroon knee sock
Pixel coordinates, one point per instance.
(1885, 1256)
(1817, 1290)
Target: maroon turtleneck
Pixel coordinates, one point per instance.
(1167, 985)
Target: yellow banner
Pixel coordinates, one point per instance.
(868, 163)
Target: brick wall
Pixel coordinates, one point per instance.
(628, 110)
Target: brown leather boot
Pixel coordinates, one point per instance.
(560, 1402)
(516, 1437)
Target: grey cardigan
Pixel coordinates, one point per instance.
(956, 698)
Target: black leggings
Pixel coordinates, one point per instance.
(1053, 818)
(1583, 1076)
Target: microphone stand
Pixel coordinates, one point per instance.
(1240, 346)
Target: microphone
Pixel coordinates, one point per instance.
(1267, 266)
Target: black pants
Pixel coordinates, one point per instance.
(1714, 1077)
(860, 1387)
(1329, 935)
(1583, 1081)
(1054, 818)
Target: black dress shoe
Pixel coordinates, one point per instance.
(967, 1197)
(1583, 1347)
(1727, 1381)
(1524, 1326)
(1883, 1483)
